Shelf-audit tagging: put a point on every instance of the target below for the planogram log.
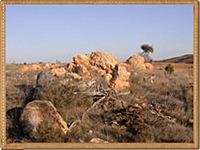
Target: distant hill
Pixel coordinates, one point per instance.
(180, 59)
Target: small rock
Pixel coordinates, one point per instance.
(137, 106)
(90, 132)
(131, 109)
(144, 105)
(97, 140)
(115, 124)
(191, 120)
(81, 141)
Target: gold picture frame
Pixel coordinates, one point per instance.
(5, 145)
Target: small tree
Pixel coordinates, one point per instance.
(147, 49)
(169, 69)
(146, 52)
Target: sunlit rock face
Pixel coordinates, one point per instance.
(42, 114)
(104, 64)
(137, 63)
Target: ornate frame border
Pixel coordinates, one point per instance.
(3, 143)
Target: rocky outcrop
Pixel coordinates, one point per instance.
(39, 113)
(36, 67)
(104, 64)
(115, 72)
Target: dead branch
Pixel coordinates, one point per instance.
(95, 104)
(85, 113)
(74, 123)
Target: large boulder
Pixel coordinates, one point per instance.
(42, 115)
(137, 63)
(104, 64)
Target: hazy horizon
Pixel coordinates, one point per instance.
(48, 33)
(69, 61)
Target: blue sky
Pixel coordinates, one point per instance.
(58, 32)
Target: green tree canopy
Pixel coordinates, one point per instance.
(146, 52)
(147, 49)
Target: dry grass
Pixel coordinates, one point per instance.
(161, 111)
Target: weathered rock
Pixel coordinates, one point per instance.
(107, 77)
(121, 85)
(44, 77)
(41, 112)
(50, 66)
(98, 62)
(24, 69)
(59, 72)
(74, 76)
(136, 62)
(123, 79)
(103, 64)
(81, 60)
(30, 67)
(148, 66)
(37, 67)
(97, 140)
(103, 60)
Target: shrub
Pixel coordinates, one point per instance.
(169, 69)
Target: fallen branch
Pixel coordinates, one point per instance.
(74, 123)
(158, 113)
(96, 103)
(84, 114)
